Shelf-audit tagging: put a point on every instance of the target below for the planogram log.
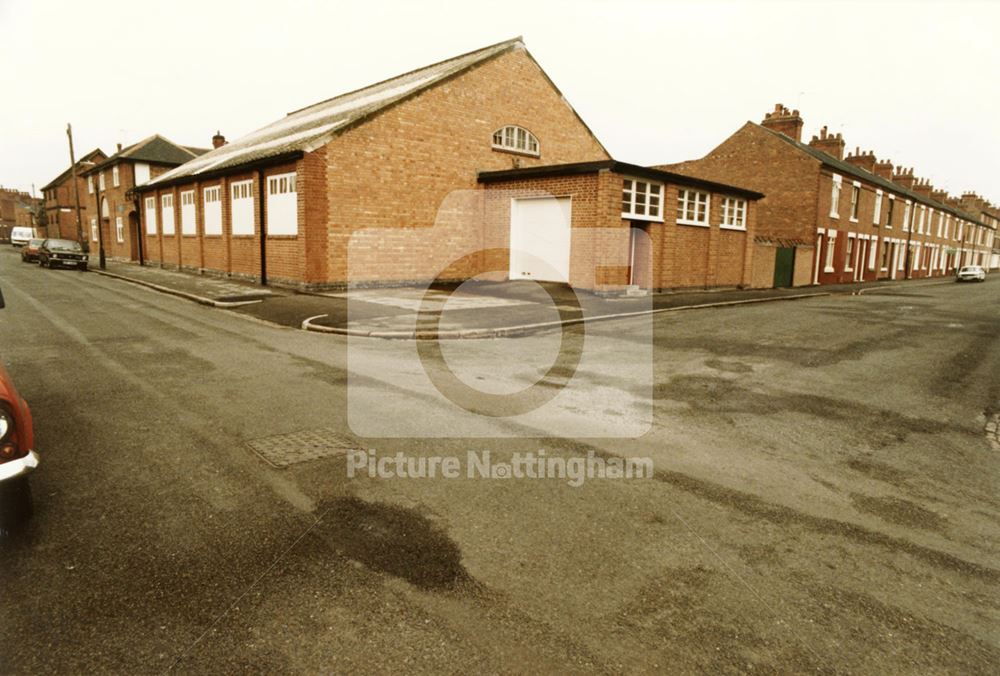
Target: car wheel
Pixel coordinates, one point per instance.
(83, 268)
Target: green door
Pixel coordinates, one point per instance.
(784, 266)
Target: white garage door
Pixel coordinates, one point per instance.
(540, 238)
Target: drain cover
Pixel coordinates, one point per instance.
(283, 450)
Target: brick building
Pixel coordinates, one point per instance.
(60, 198)
(282, 203)
(17, 208)
(607, 225)
(827, 218)
(110, 201)
(989, 214)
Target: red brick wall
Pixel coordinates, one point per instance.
(396, 170)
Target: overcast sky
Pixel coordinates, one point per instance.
(917, 82)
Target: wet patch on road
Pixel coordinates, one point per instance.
(899, 511)
(396, 541)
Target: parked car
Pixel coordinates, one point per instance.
(971, 273)
(17, 455)
(62, 252)
(29, 254)
(21, 235)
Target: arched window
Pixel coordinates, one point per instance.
(105, 212)
(516, 139)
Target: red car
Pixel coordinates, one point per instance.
(29, 254)
(17, 455)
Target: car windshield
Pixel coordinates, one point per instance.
(62, 245)
(36, 242)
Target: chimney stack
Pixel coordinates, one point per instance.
(923, 187)
(883, 168)
(831, 144)
(862, 160)
(904, 177)
(784, 122)
(218, 140)
(119, 147)
(939, 196)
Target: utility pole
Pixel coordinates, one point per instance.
(76, 187)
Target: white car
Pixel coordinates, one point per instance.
(20, 236)
(971, 273)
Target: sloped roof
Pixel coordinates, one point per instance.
(89, 157)
(842, 166)
(154, 149)
(314, 126)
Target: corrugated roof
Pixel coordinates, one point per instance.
(314, 126)
(842, 166)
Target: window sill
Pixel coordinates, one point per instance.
(282, 236)
(837, 216)
(697, 224)
(734, 228)
(218, 236)
(854, 220)
(828, 269)
(515, 151)
(190, 236)
(244, 236)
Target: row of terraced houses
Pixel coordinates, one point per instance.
(477, 166)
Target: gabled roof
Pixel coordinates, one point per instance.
(89, 158)
(154, 149)
(619, 168)
(842, 166)
(309, 128)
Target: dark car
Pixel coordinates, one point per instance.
(17, 454)
(29, 253)
(62, 252)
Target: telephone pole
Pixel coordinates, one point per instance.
(76, 189)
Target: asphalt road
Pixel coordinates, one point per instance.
(824, 497)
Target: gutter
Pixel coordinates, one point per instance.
(284, 158)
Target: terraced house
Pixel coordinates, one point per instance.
(827, 218)
(60, 195)
(112, 216)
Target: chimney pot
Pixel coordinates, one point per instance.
(218, 140)
(119, 147)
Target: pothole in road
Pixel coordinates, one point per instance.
(395, 541)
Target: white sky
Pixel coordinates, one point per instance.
(658, 82)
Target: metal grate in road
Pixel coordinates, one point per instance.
(283, 450)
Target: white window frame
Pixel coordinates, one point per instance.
(93, 230)
(734, 213)
(855, 201)
(920, 219)
(849, 252)
(282, 205)
(245, 191)
(100, 180)
(119, 230)
(907, 215)
(150, 213)
(831, 249)
(516, 139)
(189, 226)
(90, 185)
(886, 255)
(835, 195)
(891, 213)
(689, 201)
(877, 216)
(649, 200)
(211, 210)
(115, 178)
(872, 253)
(167, 203)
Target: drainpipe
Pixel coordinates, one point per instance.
(140, 231)
(263, 229)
